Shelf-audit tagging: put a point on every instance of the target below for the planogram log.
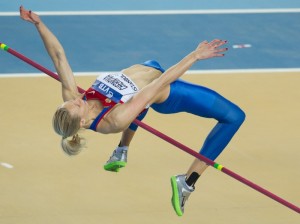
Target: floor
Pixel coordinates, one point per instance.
(40, 184)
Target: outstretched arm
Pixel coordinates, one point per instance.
(57, 54)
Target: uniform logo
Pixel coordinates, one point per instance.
(107, 100)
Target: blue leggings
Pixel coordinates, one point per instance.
(203, 102)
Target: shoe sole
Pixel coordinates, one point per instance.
(114, 166)
(175, 197)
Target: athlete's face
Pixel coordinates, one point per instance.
(77, 107)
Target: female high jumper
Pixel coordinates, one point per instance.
(115, 100)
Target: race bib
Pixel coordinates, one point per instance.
(117, 87)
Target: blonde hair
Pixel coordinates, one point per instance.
(68, 125)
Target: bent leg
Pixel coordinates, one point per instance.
(204, 102)
(230, 118)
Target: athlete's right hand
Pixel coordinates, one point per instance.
(29, 16)
(210, 49)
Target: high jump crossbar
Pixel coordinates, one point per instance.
(168, 139)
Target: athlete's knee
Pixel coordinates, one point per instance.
(239, 116)
(236, 116)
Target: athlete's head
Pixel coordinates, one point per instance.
(67, 121)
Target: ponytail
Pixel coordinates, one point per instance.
(74, 146)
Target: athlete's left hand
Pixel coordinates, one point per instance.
(29, 16)
(211, 49)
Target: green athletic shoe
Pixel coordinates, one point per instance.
(116, 161)
(180, 193)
